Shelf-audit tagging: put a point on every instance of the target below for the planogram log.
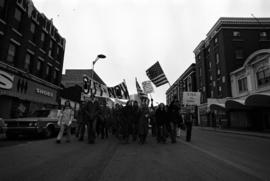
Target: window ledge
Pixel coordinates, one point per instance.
(32, 43)
(17, 32)
(42, 51)
(2, 21)
(237, 39)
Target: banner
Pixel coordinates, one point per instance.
(191, 98)
(147, 87)
(92, 87)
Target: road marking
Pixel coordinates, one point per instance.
(228, 162)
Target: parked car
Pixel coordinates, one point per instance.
(41, 122)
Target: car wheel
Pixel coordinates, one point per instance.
(49, 132)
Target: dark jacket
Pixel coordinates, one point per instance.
(161, 117)
(143, 121)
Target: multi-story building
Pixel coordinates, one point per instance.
(250, 104)
(227, 45)
(185, 83)
(31, 59)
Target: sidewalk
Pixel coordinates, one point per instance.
(239, 132)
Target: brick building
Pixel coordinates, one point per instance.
(185, 83)
(31, 59)
(227, 45)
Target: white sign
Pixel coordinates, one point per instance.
(6, 80)
(44, 92)
(147, 87)
(191, 98)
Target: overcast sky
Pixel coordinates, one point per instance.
(134, 34)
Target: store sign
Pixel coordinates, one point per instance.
(191, 98)
(44, 92)
(6, 80)
(147, 87)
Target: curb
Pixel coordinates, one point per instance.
(266, 136)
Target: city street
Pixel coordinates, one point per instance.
(209, 156)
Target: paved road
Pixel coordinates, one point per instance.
(210, 156)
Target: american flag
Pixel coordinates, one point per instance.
(140, 91)
(156, 75)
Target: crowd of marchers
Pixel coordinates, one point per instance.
(128, 123)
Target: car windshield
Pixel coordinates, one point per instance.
(41, 113)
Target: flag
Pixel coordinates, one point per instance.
(140, 91)
(156, 75)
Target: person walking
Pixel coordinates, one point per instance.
(188, 123)
(92, 110)
(161, 117)
(134, 120)
(65, 120)
(81, 121)
(143, 123)
(174, 117)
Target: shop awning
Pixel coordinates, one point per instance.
(235, 104)
(217, 106)
(258, 100)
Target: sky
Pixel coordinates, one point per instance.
(134, 34)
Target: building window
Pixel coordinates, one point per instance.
(48, 72)
(212, 93)
(263, 76)
(2, 3)
(18, 15)
(239, 54)
(42, 38)
(27, 63)
(236, 34)
(219, 91)
(216, 40)
(200, 71)
(211, 78)
(39, 67)
(32, 27)
(242, 85)
(263, 35)
(217, 58)
(218, 71)
(11, 53)
(189, 84)
(210, 65)
(223, 79)
(50, 48)
(2, 9)
(18, 18)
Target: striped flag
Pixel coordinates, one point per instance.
(141, 94)
(156, 75)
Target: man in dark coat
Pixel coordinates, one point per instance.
(81, 121)
(161, 117)
(143, 123)
(188, 123)
(92, 110)
(174, 119)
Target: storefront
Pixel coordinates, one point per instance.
(20, 94)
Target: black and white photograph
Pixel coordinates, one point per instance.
(134, 90)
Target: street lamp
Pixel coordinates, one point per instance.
(100, 56)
